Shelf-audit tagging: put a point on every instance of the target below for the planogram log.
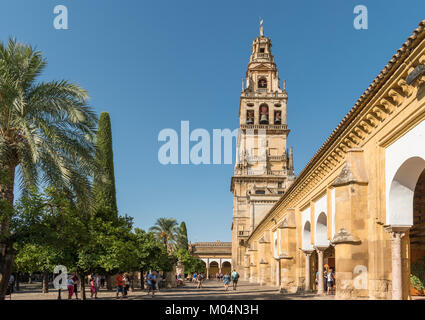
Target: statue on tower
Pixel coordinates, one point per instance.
(261, 28)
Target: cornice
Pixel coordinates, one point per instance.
(377, 104)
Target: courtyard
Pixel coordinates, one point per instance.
(211, 290)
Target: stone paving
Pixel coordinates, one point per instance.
(211, 290)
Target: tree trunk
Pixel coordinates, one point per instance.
(30, 279)
(17, 281)
(7, 254)
(83, 287)
(109, 282)
(142, 279)
(45, 282)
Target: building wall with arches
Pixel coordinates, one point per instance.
(355, 197)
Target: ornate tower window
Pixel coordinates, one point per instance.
(278, 117)
(250, 117)
(262, 83)
(264, 114)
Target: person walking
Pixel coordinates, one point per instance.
(330, 281)
(235, 278)
(325, 280)
(70, 286)
(92, 287)
(217, 275)
(76, 280)
(150, 279)
(126, 284)
(226, 280)
(119, 282)
(199, 280)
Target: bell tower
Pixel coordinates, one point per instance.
(264, 166)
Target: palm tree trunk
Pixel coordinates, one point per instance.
(7, 254)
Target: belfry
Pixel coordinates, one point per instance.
(264, 166)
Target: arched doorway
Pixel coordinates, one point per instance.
(213, 268)
(417, 238)
(226, 267)
(405, 193)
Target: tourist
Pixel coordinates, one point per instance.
(126, 284)
(221, 276)
(217, 276)
(235, 278)
(76, 280)
(330, 281)
(179, 280)
(199, 280)
(226, 279)
(151, 283)
(70, 286)
(92, 287)
(119, 283)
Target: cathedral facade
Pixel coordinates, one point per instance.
(357, 207)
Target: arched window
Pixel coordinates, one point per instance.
(250, 117)
(278, 117)
(264, 114)
(262, 83)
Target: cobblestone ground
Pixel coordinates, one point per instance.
(211, 290)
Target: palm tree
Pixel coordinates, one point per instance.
(47, 132)
(166, 230)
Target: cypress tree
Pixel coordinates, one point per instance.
(183, 242)
(104, 181)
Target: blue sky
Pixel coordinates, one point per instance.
(152, 64)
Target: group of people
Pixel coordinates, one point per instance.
(328, 279)
(95, 281)
(234, 277)
(198, 278)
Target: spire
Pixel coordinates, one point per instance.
(261, 28)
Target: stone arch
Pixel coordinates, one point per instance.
(264, 113)
(226, 267)
(214, 269)
(307, 236)
(404, 162)
(402, 190)
(321, 232)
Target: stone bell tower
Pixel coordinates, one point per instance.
(264, 166)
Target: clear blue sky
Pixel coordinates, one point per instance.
(151, 64)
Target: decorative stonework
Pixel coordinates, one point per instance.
(343, 236)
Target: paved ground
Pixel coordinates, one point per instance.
(211, 290)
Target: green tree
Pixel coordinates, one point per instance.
(191, 263)
(46, 132)
(182, 240)
(151, 253)
(104, 182)
(166, 230)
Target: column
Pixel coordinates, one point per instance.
(308, 269)
(208, 268)
(397, 233)
(219, 265)
(320, 285)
